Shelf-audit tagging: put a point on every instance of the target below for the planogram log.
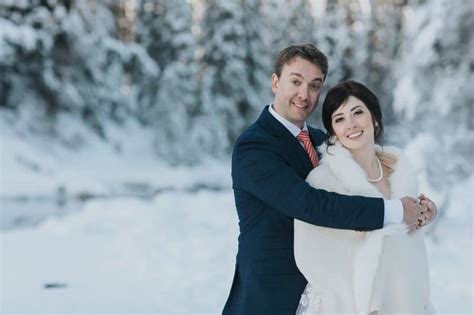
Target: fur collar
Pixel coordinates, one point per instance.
(352, 179)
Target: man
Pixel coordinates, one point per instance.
(270, 162)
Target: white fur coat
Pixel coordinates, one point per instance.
(360, 272)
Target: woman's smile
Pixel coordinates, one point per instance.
(355, 135)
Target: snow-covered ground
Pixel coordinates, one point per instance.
(153, 241)
(174, 254)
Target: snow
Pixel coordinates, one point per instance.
(156, 240)
(80, 162)
(21, 35)
(112, 228)
(172, 252)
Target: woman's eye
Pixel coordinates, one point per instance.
(338, 119)
(358, 112)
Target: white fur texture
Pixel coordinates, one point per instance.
(339, 172)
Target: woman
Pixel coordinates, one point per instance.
(348, 272)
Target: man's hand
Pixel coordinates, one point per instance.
(414, 214)
(431, 209)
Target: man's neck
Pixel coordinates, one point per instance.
(294, 129)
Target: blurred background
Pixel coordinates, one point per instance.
(117, 120)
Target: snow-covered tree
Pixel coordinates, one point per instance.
(383, 38)
(289, 22)
(27, 35)
(333, 38)
(224, 83)
(258, 59)
(433, 94)
(168, 26)
(69, 59)
(438, 50)
(198, 80)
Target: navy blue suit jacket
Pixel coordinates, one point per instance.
(269, 167)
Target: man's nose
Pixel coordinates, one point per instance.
(303, 92)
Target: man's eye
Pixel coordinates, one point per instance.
(315, 87)
(295, 82)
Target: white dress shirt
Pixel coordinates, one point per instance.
(393, 208)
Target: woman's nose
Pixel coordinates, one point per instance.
(352, 123)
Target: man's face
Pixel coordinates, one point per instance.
(297, 90)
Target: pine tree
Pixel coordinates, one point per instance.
(289, 22)
(224, 84)
(28, 35)
(176, 101)
(434, 72)
(383, 40)
(258, 59)
(74, 63)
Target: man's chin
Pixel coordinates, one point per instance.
(298, 121)
(302, 113)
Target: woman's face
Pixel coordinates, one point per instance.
(352, 124)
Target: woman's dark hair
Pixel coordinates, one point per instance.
(339, 94)
(305, 51)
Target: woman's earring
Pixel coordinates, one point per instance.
(332, 139)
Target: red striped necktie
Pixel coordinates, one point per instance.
(303, 137)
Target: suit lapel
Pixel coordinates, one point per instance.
(286, 141)
(317, 138)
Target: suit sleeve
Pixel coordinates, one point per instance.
(261, 171)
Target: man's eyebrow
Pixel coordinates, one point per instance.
(300, 76)
(297, 74)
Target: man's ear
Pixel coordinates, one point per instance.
(274, 83)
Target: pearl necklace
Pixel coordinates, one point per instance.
(380, 171)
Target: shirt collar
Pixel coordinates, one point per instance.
(294, 129)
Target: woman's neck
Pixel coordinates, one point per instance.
(367, 160)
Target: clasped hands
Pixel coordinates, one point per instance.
(418, 213)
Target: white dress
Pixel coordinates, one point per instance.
(348, 272)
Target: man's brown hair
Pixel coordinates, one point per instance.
(305, 51)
